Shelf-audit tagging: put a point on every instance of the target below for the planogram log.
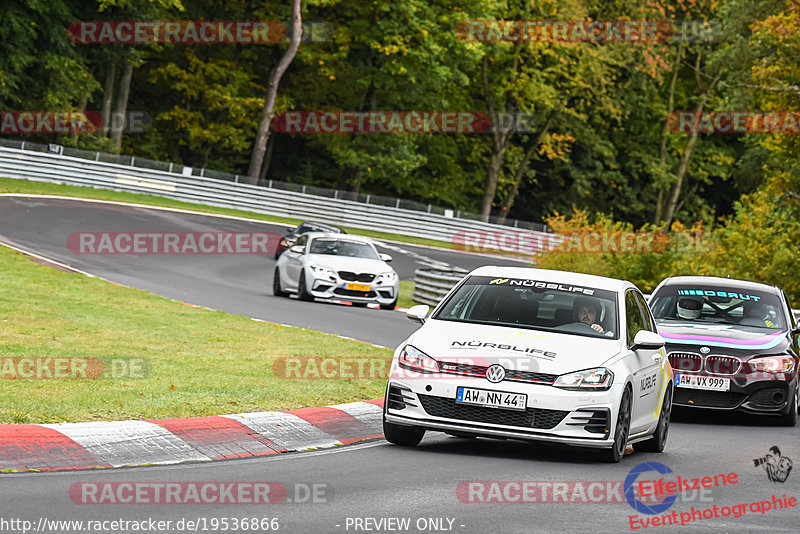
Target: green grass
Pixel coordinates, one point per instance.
(404, 296)
(202, 362)
(10, 185)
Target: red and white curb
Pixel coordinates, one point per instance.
(55, 447)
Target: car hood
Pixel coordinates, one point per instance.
(513, 348)
(721, 335)
(346, 263)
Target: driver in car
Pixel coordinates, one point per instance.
(690, 307)
(588, 311)
(757, 313)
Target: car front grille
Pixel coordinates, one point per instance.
(356, 277)
(707, 399)
(530, 418)
(594, 421)
(768, 397)
(511, 374)
(398, 398)
(685, 361)
(723, 365)
(353, 293)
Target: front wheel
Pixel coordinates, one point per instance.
(617, 451)
(659, 439)
(276, 285)
(389, 306)
(302, 292)
(407, 436)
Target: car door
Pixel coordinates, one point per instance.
(294, 263)
(645, 362)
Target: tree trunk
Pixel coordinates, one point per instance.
(267, 160)
(662, 149)
(523, 166)
(675, 192)
(108, 94)
(499, 143)
(122, 104)
(260, 144)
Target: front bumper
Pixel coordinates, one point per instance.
(326, 287)
(552, 414)
(747, 394)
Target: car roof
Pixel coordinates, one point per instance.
(718, 281)
(547, 275)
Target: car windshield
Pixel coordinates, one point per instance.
(719, 305)
(534, 304)
(306, 228)
(342, 247)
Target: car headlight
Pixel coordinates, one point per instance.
(772, 364)
(321, 270)
(387, 277)
(598, 379)
(413, 358)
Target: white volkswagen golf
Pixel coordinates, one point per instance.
(534, 354)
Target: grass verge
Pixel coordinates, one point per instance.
(201, 362)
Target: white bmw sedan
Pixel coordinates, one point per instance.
(336, 266)
(534, 354)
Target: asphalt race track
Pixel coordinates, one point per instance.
(374, 486)
(240, 283)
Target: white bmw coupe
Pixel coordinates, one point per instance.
(336, 266)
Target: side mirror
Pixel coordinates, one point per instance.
(647, 340)
(298, 249)
(385, 257)
(418, 313)
(796, 329)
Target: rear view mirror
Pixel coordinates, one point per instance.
(298, 249)
(385, 257)
(647, 340)
(418, 313)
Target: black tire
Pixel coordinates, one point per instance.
(617, 451)
(790, 419)
(276, 285)
(302, 293)
(407, 436)
(389, 306)
(659, 439)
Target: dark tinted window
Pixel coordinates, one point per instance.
(633, 316)
(532, 304)
(649, 322)
(718, 304)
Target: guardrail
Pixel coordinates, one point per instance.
(167, 182)
(431, 285)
